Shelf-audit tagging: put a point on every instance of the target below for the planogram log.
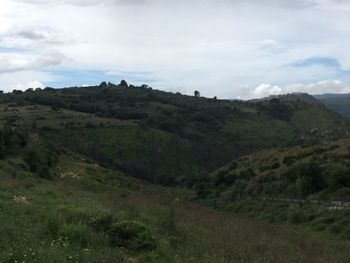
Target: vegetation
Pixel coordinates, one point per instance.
(88, 213)
(306, 172)
(167, 138)
(69, 160)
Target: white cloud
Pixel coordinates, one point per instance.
(30, 85)
(265, 90)
(12, 62)
(213, 46)
(23, 80)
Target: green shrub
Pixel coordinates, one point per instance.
(132, 235)
(45, 173)
(75, 233)
(103, 223)
(57, 226)
(54, 222)
(275, 165)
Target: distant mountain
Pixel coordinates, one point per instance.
(336, 102)
(296, 96)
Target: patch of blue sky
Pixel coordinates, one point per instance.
(71, 77)
(324, 61)
(4, 49)
(327, 62)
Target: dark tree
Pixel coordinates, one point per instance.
(123, 83)
(197, 94)
(104, 84)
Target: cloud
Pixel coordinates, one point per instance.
(220, 47)
(24, 79)
(30, 85)
(266, 90)
(12, 62)
(63, 2)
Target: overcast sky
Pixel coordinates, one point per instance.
(223, 48)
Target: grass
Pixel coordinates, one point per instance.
(54, 222)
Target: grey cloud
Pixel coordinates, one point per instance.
(33, 35)
(12, 62)
(64, 2)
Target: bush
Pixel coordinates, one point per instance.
(132, 235)
(45, 173)
(288, 160)
(57, 226)
(103, 223)
(54, 223)
(275, 165)
(75, 233)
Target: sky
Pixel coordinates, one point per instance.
(226, 48)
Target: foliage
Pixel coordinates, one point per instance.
(132, 235)
(316, 171)
(40, 160)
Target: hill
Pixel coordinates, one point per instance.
(168, 138)
(310, 172)
(60, 206)
(336, 102)
(277, 184)
(67, 158)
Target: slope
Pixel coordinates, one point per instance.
(88, 213)
(171, 138)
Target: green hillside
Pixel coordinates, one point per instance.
(265, 183)
(71, 161)
(78, 211)
(168, 138)
(315, 172)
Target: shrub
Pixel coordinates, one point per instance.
(132, 235)
(75, 233)
(103, 223)
(290, 159)
(45, 173)
(275, 165)
(54, 223)
(57, 226)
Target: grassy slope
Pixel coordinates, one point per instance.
(281, 167)
(186, 232)
(307, 172)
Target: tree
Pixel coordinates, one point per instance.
(123, 83)
(103, 84)
(197, 94)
